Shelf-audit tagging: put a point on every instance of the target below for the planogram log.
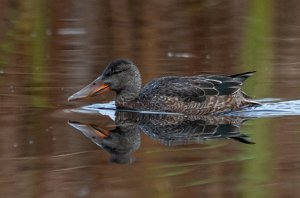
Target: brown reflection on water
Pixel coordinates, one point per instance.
(49, 49)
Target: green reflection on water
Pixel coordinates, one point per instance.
(32, 24)
(257, 53)
(39, 51)
(7, 45)
(257, 47)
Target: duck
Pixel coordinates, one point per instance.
(189, 95)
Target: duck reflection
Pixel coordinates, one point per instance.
(120, 142)
(125, 137)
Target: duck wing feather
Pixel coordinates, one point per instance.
(194, 88)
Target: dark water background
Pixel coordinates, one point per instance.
(50, 49)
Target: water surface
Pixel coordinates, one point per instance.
(50, 49)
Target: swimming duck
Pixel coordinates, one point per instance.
(193, 95)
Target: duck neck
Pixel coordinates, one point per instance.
(130, 93)
(130, 88)
(125, 96)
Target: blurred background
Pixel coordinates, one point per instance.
(50, 49)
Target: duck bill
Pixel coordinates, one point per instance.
(90, 130)
(94, 88)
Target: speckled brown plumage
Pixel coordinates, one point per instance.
(194, 95)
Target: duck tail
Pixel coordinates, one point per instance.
(243, 138)
(243, 76)
(249, 101)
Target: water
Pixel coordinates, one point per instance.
(51, 49)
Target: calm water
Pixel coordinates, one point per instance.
(52, 148)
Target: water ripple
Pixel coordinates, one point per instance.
(271, 107)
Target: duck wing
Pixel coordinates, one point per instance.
(195, 88)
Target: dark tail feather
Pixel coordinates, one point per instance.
(243, 138)
(243, 76)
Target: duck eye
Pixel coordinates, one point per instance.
(113, 72)
(116, 71)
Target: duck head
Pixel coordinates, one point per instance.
(121, 76)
